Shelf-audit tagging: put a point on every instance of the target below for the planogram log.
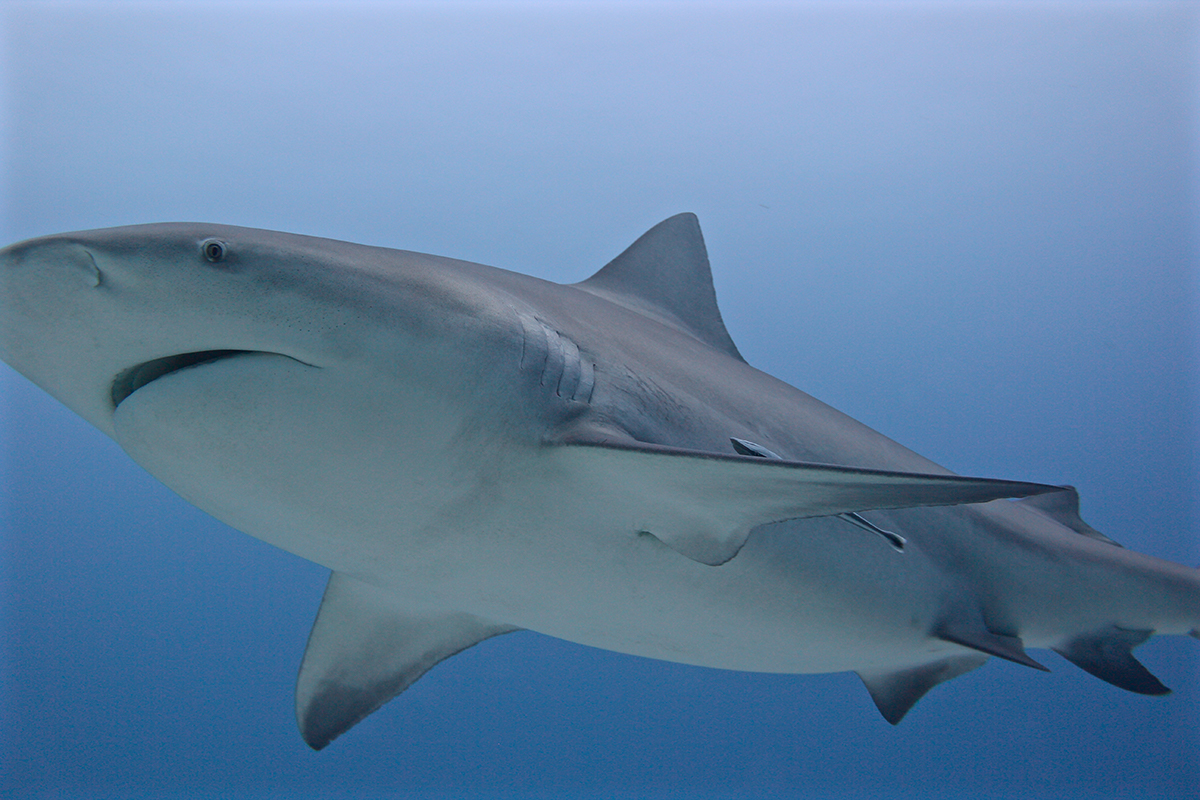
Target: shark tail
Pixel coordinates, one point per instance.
(1105, 653)
(1169, 595)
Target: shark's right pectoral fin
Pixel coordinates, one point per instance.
(703, 505)
(897, 691)
(364, 650)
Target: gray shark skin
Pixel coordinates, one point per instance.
(472, 451)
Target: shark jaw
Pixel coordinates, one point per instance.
(128, 381)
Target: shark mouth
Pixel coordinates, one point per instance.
(130, 380)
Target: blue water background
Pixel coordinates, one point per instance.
(971, 226)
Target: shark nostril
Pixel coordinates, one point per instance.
(93, 270)
(53, 256)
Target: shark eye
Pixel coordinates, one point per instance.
(213, 249)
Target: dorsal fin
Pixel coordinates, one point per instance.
(665, 275)
(1063, 508)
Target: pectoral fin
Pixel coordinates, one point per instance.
(897, 691)
(704, 505)
(364, 650)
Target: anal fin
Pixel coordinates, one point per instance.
(364, 650)
(897, 691)
(1108, 654)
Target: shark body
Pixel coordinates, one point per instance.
(472, 451)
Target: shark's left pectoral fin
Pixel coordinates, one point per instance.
(703, 505)
(364, 650)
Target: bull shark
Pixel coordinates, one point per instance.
(472, 451)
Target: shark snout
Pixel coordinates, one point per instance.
(42, 282)
(94, 316)
(62, 257)
(52, 321)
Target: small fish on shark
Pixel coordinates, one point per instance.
(473, 451)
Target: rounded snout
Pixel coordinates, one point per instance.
(48, 288)
(82, 312)
(62, 255)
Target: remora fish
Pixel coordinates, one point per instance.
(473, 451)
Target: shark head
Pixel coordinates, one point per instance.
(96, 317)
(232, 363)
